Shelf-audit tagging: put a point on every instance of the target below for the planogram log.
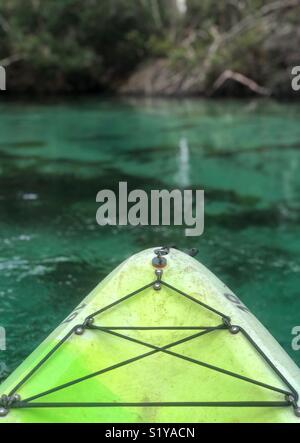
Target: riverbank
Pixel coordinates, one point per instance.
(159, 77)
(147, 48)
(162, 78)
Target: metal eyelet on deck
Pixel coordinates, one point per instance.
(88, 322)
(291, 399)
(3, 412)
(157, 286)
(8, 401)
(79, 330)
(234, 329)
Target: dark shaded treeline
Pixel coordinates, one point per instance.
(177, 47)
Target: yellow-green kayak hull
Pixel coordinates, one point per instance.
(165, 385)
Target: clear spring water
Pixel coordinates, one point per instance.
(54, 158)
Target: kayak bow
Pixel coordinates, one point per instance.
(160, 339)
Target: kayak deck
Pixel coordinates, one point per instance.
(149, 347)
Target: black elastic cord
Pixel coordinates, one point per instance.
(192, 360)
(116, 366)
(120, 300)
(270, 363)
(58, 345)
(195, 300)
(155, 328)
(237, 404)
(41, 362)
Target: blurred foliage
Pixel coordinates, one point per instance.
(76, 45)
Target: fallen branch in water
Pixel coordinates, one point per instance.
(239, 78)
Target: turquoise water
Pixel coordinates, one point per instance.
(55, 157)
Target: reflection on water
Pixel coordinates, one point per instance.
(183, 163)
(54, 159)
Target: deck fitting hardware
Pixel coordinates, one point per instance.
(234, 329)
(3, 412)
(157, 286)
(292, 400)
(79, 330)
(88, 322)
(6, 401)
(159, 261)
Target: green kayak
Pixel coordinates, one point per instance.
(160, 339)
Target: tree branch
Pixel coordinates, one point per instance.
(239, 78)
